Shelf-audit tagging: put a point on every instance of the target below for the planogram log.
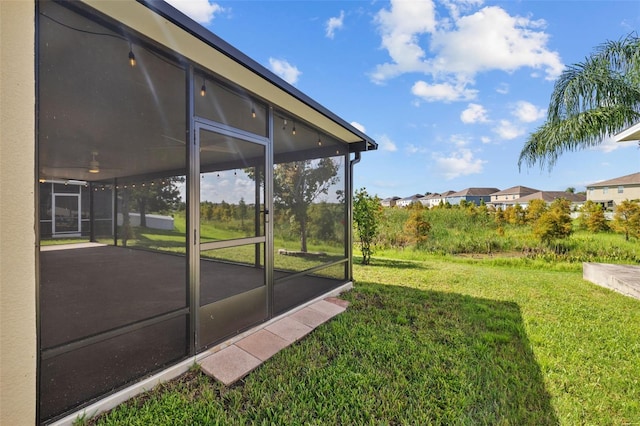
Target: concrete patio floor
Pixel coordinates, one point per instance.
(235, 361)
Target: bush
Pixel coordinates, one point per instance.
(366, 215)
(592, 217)
(554, 224)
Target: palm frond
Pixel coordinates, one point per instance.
(591, 100)
(584, 130)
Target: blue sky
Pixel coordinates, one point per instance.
(449, 89)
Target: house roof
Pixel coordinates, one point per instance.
(432, 196)
(471, 192)
(517, 190)
(390, 199)
(630, 134)
(632, 179)
(549, 196)
(413, 197)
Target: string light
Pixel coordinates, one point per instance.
(253, 112)
(203, 89)
(132, 57)
(284, 124)
(293, 130)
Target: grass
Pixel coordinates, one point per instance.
(436, 341)
(457, 231)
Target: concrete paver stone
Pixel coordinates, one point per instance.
(311, 317)
(262, 344)
(230, 364)
(289, 329)
(327, 308)
(237, 360)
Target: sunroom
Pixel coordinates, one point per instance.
(184, 195)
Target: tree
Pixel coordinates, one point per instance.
(627, 219)
(535, 210)
(242, 210)
(515, 214)
(417, 227)
(500, 217)
(590, 101)
(366, 215)
(156, 197)
(555, 223)
(592, 217)
(297, 184)
(570, 190)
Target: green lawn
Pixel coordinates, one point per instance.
(436, 341)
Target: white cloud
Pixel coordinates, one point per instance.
(457, 47)
(456, 7)
(285, 70)
(491, 39)
(503, 88)
(507, 130)
(475, 113)
(399, 28)
(485, 139)
(445, 92)
(334, 23)
(358, 126)
(609, 145)
(386, 144)
(459, 163)
(528, 112)
(459, 140)
(201, 11)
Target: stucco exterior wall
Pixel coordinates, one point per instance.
(17, 221)
(630, 192)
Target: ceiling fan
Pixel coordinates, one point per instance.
(92, 167)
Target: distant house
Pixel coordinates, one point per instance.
(611, 192)
(389, 202)
(434, 200)
(407, 201)
(576, 200)
(502, 198)
(426, 200)
(471, 195)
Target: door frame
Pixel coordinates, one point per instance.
(78, 230)
(247, 300)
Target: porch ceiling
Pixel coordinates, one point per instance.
(167, 26)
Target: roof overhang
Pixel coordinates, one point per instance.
(628, 135)
(164, 24)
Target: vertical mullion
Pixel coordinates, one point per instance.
(268, 215)
(193, 215)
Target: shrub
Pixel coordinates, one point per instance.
(417, 227)
(554, 224)
(592, 217)
(627, 219)
(366, 215)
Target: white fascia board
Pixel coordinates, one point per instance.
(630, 134)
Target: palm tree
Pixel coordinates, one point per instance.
(590, 101)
